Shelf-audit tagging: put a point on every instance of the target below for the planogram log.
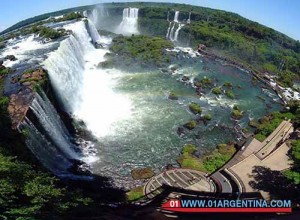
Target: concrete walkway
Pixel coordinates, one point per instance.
(237, 174)
(180, 178)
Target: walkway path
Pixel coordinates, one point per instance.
(180, 178)
(235, 176)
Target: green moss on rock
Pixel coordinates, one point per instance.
(207, 117)
(230, 94)
(173, 96)
(135, 193)
(217, 91)
(190, 125)
(188, 160)
(195, 108)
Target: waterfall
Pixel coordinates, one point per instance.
(84, 90)
(95, 17)
(173, 32)
(52, 124)
(45, 151)
(168, 31)
(66, 66)
(93, 32)
(189, 19)
(177, 32)
(129, 24)
(176, 16)
(171, 35)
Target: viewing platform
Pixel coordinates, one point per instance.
(236, 176)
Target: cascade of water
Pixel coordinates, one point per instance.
(93, 32)
(177, 32)
(51, 122)
(66, 75)
(44, 150)
(95, 17)
(77, 79)
(176, 16)
(129, 24)
(171, 35)
(168, 31)
(189, 19)
(85, 13)
(173, 31)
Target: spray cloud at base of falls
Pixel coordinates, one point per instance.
(129, 24)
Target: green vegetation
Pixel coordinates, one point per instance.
(173, 96)
(267, 124)
(145, 50)
(135, 193)
(294, 173)
(25, 192)
(226, 33)
(218, 157)
(230, 94)
(189, 149)
(29, 194)
(228, 84)
(70, 16)
(50, 33)
(237, 113)
(195, 108)
(207, 117)
(4, 71)
(210, 162)
(188, 160)
(190, 125)
(206, 82)
(217, 91)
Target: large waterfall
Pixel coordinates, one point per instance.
(66, 75)
(86, 91)
(51, 142)
(52, 124)
(129, 24)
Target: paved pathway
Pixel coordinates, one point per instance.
(180, 178)
(236, 175)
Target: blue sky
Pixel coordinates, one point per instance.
(282, 15)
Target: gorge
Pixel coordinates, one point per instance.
(126, 112)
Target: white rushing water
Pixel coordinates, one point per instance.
(85, 90)
(189, 19)
(51, 122)
(177, 32)
(129, 24)
(44, 150)
(176, 16)
(174, 28)
(26, 49)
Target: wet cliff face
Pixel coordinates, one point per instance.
(28, 82)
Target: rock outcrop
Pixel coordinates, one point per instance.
(20, 102)
(142, 173)
(18, 107)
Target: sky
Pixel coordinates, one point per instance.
(281, 15)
